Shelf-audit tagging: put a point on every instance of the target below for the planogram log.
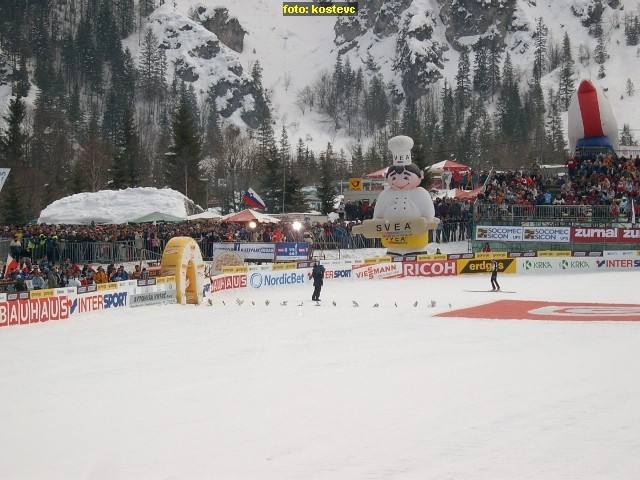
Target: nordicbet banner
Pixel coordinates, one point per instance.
(273, 279)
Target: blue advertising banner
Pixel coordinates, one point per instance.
(292, 251)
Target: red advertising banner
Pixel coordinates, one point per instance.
(429, 269)
(605, 235)
(35, 310)
(228, 282)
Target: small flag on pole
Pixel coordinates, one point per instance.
(252, 199)
(11, 264)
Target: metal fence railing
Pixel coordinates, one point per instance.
(556, 214)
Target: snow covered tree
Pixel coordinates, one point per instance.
(567, 71)
(463, 84)
(540, 35)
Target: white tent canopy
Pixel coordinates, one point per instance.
(205, 216)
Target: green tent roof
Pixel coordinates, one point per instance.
(158, 217)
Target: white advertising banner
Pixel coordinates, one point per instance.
(546, 234)
(499, 232)
(250, 251)
(377, 270)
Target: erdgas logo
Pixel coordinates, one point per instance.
(257, 280)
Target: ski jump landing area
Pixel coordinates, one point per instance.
(553, 311)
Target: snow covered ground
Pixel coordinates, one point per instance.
(244, 390)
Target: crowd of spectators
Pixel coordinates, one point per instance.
(43, 261)
(601, 181)
(24, 274)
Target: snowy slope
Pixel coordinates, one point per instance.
(288, 392)
(302, 47)
(294, 51)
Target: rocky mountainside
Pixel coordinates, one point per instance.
(412, 44)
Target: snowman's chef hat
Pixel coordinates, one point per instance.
(400, 147)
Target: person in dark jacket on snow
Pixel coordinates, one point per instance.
(318, 280)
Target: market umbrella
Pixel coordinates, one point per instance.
(378, 174)
(249, 215)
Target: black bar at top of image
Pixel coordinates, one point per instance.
(319, 9)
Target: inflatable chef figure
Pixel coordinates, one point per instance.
(404, 212)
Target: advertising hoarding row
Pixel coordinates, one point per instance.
(614, 235)
(38, 306)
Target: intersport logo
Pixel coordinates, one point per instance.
(619, 263)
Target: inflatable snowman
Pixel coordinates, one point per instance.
(404, 212)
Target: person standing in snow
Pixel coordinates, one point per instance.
(494, 276)
(318, 280)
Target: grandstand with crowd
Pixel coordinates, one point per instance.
(604, 186)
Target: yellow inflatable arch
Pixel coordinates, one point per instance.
(182, 258)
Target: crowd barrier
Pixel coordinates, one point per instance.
(524, 263)
(38, 306)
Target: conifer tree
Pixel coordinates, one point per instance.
(326, 190)
(294, 198)
(273, 180)
(463, 84)
(213, 142)
(182, 164)
(567, 70)
(358, 167)
(626, 136)
(127, 158)
(145, 7)
(22, 78)
(147, 78)
(493, 59)
(555, 133)
(600, 52)
(481, 83)
(540, 35)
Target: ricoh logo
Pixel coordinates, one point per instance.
(257, 280)
(428, 269)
